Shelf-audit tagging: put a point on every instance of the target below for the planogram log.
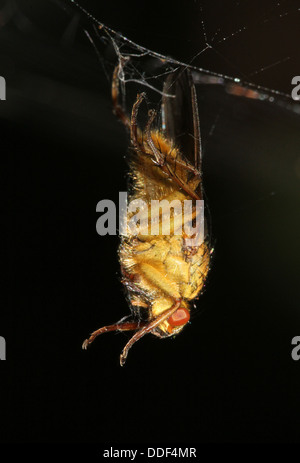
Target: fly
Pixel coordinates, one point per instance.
(162, 274)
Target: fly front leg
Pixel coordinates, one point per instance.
(120, 326)
(148, 328)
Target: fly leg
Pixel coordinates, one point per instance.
(120, 326)
(159, 158)
(133, 122)
(147, 329)
(161, 162)
(118, 110)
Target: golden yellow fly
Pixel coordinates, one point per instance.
(162, 273)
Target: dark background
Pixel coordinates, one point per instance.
(229, 377)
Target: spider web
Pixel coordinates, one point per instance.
(145, 69)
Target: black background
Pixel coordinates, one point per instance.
(229, 377)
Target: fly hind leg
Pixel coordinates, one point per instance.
(118, 110)
(161, 161)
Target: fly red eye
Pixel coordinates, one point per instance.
(180, 317)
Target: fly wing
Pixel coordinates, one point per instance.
(180, 115)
